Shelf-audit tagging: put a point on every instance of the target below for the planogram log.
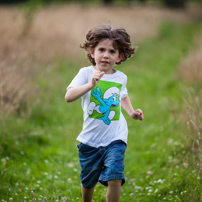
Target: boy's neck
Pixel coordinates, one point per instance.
(111, 71)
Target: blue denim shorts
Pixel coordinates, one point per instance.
(101, 164)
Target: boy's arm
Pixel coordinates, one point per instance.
(74, 93)
(135, 114)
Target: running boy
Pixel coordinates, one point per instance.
(103, 91)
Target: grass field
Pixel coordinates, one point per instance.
(38, 153)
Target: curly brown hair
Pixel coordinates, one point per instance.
(119, 36)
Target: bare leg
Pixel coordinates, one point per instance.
(87, 194)
(113, 191)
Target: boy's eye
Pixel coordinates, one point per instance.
(101, 49)
(112, 51)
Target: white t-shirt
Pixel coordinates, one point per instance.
(103, 119)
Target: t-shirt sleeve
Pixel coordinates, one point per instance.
(124, 91)
(79, 80)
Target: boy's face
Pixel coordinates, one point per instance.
(105, 56)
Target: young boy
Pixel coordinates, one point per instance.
(103, 91)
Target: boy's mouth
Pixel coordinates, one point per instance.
(104, 62)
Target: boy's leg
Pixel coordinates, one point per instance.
(91, 167)
(113, 191)
(87, 194)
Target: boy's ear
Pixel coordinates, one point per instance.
(92, 53)
(120, 57)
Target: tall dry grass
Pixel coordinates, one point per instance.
(58, 32)
(192, 168)
(16, 63)
(191, 68)
(191, 72)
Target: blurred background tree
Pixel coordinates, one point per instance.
(12, 1)
(107, 2)
(168, 3)
(175, 3)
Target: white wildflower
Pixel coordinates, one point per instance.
(75, 170)
(149, 173)
(69, 180)
(185, 165)
(46, 161)
(138, 188)
(160, 181)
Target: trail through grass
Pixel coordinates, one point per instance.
(38, 153)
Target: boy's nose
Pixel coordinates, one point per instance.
(106, 55)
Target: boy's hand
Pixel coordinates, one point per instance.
(96, 76)
(137, 114)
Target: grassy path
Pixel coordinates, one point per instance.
(38, 151)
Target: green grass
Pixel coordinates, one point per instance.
(38, 153)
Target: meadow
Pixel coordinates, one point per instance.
(38, 129)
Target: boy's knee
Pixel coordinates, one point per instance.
(116, 182)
